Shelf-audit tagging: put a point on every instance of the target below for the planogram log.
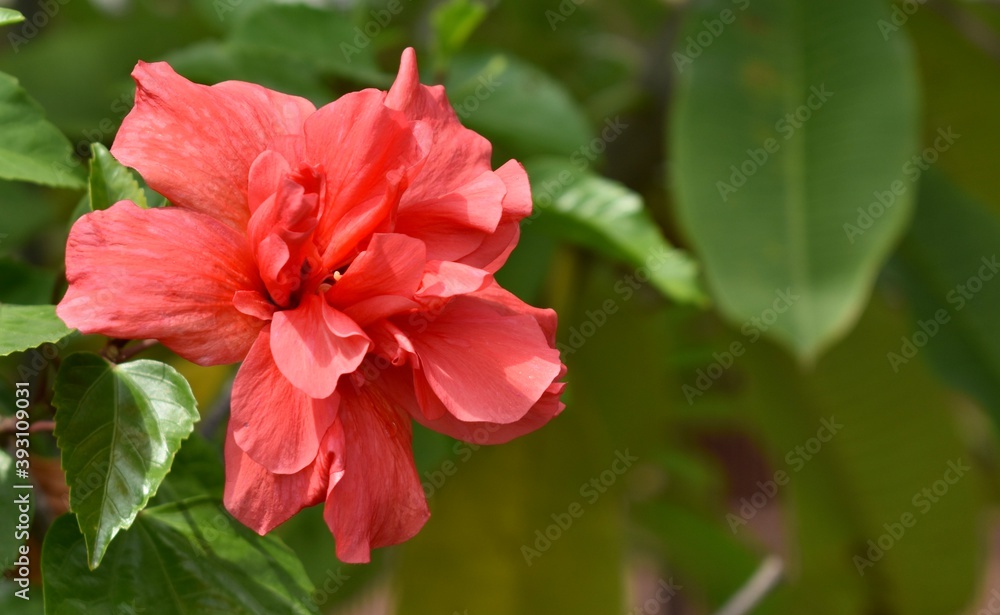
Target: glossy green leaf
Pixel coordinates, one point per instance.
(951, 260)
(32, 149)
(28, 326)
(190, 557)
(598, 213)
(453, 22)
(778, 136)
(119, 427)
(197, 470)
(110, 181)
(10, 16)
(516, 105)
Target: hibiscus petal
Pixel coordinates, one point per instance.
(392, 264)
(280, 230)
(398, 385)
(453, 224)
(365, 150)
(168, 274)
(379, 500)
(457, 155)
(483, 364)
(314, 345)
(479, 432)
(262, 500)
(493, 252)
(446, 279)
(278, 425)
(509, 303)
(195, 144)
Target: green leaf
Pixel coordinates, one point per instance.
(29, 326)
(32, 149)
(950, 263)
(10, 16)
(111, 181)
(453, 22)
(516, 105)
(197, 471)
(190, 557)
(119, 427)
(603, 215)
(778, 137)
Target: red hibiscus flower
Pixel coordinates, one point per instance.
(346, 256)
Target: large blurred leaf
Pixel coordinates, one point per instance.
(453, 22)
(516, 105)
(323, 38)
(897, 438)
(951, 263)
(23, 284)
(119, 427)
(598, 213)
(779, 135)
(190, 557)
(487, 512)
(27, 326)
(961, 83)
(32, 149)
(110, 181)
(213, 62)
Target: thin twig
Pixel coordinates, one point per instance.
(756, 588)
(9, 426)
(130, 351)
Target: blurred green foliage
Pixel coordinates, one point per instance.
(846, 281)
